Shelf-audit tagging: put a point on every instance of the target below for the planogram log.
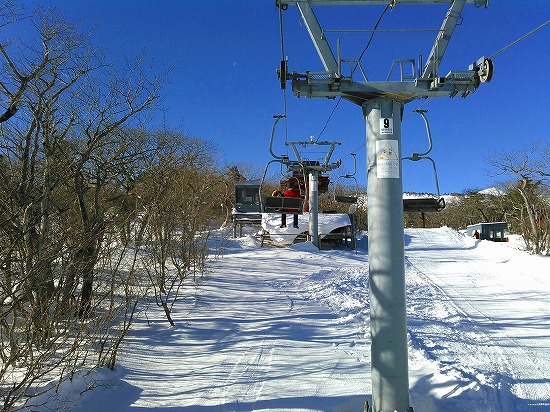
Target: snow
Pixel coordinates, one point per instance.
(287, 329)
(271, 224)
(491, 191)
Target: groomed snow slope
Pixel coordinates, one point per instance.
(287, 329)
(488, 322)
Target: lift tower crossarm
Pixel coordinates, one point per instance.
(442, 39)
(325, 166)
(318, 38)
(331, 84)
(279, 3)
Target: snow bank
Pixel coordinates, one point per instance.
(271, 224)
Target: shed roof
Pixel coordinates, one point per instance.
(249, 183)
(488, 224)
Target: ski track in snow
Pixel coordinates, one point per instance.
(484, 344)
(248, 376)
(271, 329)
(263, 343)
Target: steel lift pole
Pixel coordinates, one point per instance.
(314, 208)
(388, 315)
(311, 172)
(382, 103)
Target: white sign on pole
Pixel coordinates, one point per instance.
(386, 125)
(387, 159)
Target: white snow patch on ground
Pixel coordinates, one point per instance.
(287, 329)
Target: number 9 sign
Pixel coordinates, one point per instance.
(386, 125)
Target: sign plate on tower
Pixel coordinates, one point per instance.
(386, 125)
(387, 159)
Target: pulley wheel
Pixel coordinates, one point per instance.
(486, 71)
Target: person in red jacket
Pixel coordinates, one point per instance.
(292, 190)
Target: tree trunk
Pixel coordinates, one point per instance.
(91, 239)
(89, 259)
(535, 234)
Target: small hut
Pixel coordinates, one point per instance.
(494, 231)
(247, 205)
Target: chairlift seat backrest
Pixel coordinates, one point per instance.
(346, 199)
(423, 204)
(280, 204)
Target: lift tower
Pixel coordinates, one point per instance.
(382, 103)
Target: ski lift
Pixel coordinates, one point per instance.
(277, 203)
(295, 176)
(348, 199)
(424, 204)
(304, 179)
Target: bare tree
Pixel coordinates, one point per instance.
(63, 155)
(529, 191)
(179, 196)
(16, 77)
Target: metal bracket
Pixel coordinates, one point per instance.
(318, 38)
(403, 76)
(442, 40)
(322, 167)
(331, 83)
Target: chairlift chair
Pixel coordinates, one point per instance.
(277, 203)
(424, 204)
(296, 172)
(344, 198)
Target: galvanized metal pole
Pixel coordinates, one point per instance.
(314, 207)
(389, 357)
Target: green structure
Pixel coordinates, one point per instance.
(247, 209)
(494, 231)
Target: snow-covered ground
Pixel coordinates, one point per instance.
(328, 222)
(287, 329)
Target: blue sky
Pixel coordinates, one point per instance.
(224, 86)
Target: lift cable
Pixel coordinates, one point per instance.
(371, 37)
(490, 57)
(282, 39)
(329, 117)
(355, 67)
(520, 39)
